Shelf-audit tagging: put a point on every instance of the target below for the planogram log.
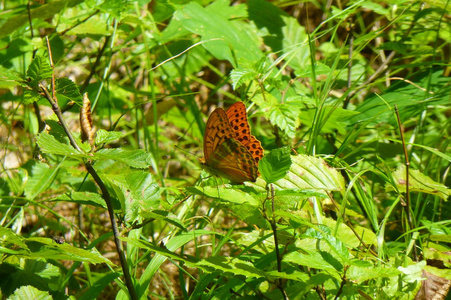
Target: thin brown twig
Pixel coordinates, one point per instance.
(272, 221)
(105, 194)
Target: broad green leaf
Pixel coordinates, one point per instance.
(41, 178)
(226, 194)
(39, 69)
(275, 165)
(43, 12)
(69, 89)
(134, 158)
(361, 274)
(225, 39)
(295, 44)
(30, 292)
(283, 115)
(413, 272)
(10, 75)
(338, 250)
(418, 182)
(411, 99)
(269, 18)
(231, 265)
(37, 247)
(308, 172)
(241, 75)
(104, 137)
(310, 258)
(49, 144)
(348, 236)
(139, 190)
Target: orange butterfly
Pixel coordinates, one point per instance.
(230, 150)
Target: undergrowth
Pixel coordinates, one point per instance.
(346, 98)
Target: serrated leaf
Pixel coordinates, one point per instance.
(30, 292)
(69, 89)
(49, 144)
(39, 69)
(361, 274)
(240, 75)
(283, 115)
(38, 247)
(30, 96)
(418, 182)
(134, 158)
(104, 137)
(139, 191)
(308, 172)
(275, 165)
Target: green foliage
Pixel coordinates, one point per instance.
(332, 214)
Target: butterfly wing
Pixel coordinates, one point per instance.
(217, 131)
(223, 154)
(233, 161)
(238, 120)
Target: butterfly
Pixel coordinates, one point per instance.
(230, 150)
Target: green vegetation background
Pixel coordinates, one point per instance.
(345, 97)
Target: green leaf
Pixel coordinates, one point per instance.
(361, 274)
(231, 265)
(85, 198)
(30, 292)
(134, 158)
(174, 243)
(269, 18)
(224, 39)
(411, 99)
(418, 182)
(295, 44)
(164, 216)
(310, 258)
(94, 291)
(308, 172)
(275, 165)
(104, 137)
(43, 12)
(39, 69)
(69, 89)
(37, 247)
(139, 191)
(241, 75)
(226, 194)
(283, 115)
(41, 179)
(49, 144)
(10, 75)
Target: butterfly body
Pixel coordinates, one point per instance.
(230, 151)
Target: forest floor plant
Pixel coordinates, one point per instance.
(103, 112)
